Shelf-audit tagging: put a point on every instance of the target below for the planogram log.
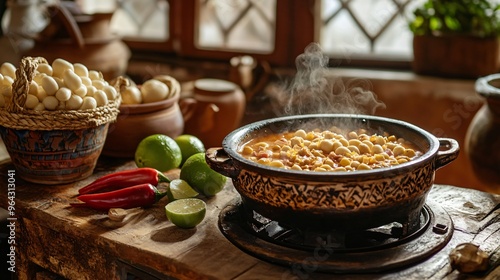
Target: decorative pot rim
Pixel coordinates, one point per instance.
(484, 86)
(232, 140)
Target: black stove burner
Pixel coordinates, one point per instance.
(373, 250)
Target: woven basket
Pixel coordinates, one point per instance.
(50, 147)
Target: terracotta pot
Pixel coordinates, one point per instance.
(215, 109)
(348, 200)
(456, 56)
(483, 135)
(135, 122)
(89, 42)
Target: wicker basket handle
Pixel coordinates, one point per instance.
(20, 88)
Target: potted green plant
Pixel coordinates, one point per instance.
(456, 38)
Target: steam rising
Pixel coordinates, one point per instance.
(315, 90)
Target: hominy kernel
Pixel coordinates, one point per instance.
(88, 103)
(81, 91)
(353, 149)
(95, 75)
(363, 166)
(33, 90)
(100, 98)
(352, 135)
(91, 90)
(72, 80)
(49, 85)
(86, 81)
(379, 157)
(342, 151)
(300, 133)
(326, 145)
(296, 167)
(344, 142)
(326, 167)
(276, 163)
(74, 102)
(402, 160)
(31, 101)
(364, 149)
(345, 162)
(398, 150)
(247, 150)
(354, 142)
(98, 84)
(379, 140)
(81, 70)
(328, 134)
(110, 91)
(63, 94)
(44, 68)
(60, 65)
(377, 149)
(41, 94)
(410, 153)
(39, 107)
(8, 69)
(50, 102)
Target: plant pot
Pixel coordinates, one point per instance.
(456, 56)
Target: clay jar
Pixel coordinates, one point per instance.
(483, 136)
(135, 122)
(215, 109)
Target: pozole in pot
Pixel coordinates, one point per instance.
(357, 199)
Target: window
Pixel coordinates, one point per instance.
(367, 28)
(356, 32)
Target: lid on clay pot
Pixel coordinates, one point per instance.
(214, 86)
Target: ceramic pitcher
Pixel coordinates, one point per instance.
(215, 109)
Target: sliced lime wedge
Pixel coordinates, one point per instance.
(179, 189)
(187, 212)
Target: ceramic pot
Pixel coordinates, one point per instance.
(347, 200)
(54, 156)
(87, 41)
(483, 135)
(135, 122)
(215, 109)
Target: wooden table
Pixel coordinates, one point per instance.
(55, 240)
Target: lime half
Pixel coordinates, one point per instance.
(187, 212)
(178, 189)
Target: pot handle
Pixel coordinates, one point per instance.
(449, 150)
(218, 160)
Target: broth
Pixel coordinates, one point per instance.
(329, 150)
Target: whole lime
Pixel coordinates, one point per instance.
(158, 151)
(189, 145)
(198, 174)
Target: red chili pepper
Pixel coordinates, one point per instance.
(124, 179)
(131, 197)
